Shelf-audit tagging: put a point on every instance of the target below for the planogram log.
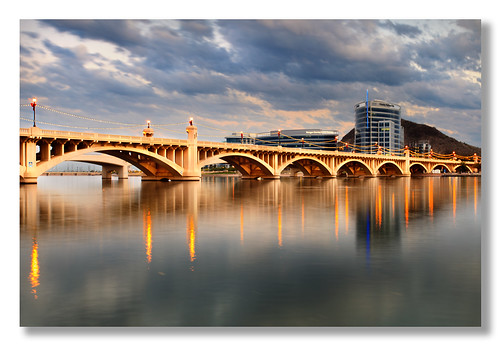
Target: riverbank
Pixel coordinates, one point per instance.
(225, 174)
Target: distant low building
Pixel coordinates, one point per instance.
(303, 138)
(421, 147)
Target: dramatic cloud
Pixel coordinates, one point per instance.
(247, 75)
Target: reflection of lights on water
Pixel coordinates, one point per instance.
(393, 206)
(191, 239)
(336, 216)
(346, 210)
(280, 240)
(35, 269)
(379, 204)
(241, 223)
(406, 205)
(431, 197)
(475, 196)
(303, 215)
(454, 198)
(148, 239)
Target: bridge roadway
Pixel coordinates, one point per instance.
(182, 159)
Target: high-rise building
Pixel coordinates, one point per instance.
(378, 124)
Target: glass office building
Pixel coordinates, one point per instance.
(378, 123)
(303, 138)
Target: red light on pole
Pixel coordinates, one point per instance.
(33, 104)
(241, 134)
(191, 121)
(279, 137)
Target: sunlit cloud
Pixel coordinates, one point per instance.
(248, 75)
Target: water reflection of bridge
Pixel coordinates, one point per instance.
(175, 159)
(386, 212)
(289, 210)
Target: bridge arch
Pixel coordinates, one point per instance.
(310, 166)
(462, 168)
(248, 165)
(389, 168)
(417, 167)
(354, 167)
(440, 166)
(133, 156)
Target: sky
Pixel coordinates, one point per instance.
(437, 56)
(248, 75)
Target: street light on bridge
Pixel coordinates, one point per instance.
(191, 121)
(33, 104)
(148, 132)
(279, 138)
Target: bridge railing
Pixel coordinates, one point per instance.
(183, 142)
(98, 137)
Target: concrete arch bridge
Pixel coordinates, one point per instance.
(182, 159)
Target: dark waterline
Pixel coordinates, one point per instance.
(227, 252)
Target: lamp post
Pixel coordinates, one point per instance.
(241, 133)
(336, 143)
(33, 104)
(148, 132)
(279, 138)
(302, 143)
(191, 121)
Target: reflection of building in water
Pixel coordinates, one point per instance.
(388, 206)
(378, 217)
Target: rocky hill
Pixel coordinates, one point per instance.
(439, 142)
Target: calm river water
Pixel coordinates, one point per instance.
(228, 252)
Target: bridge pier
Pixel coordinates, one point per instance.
(107, 170)
(258, 177)
(28, 180)
(165, 178)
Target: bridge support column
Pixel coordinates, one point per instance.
(190, 162)
(407, 172)
(28, 157)
(107, 171)
(122, 172)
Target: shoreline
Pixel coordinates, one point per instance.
(139, 174)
